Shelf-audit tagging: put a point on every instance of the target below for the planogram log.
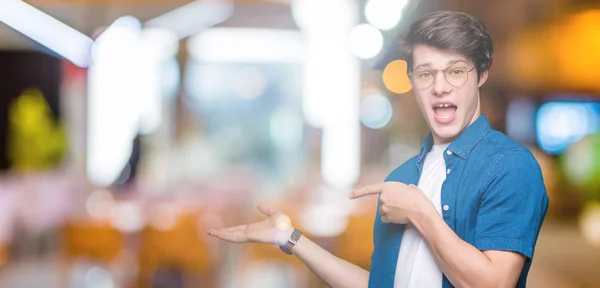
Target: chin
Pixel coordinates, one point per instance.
(446, 132)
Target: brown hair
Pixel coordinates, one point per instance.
(452, 31)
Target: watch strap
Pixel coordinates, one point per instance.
(289, 245)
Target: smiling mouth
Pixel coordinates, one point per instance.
(444, 111)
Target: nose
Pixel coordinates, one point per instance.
(440, 86)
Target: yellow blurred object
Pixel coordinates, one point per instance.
(180, 246)
(589, 223)
(395, 78)
(559, 55)
(355, 244)
(3, 259)
(35, 141)
(531, 66)
(578, 50)
(94, 240)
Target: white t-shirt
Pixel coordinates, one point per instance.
(417, 266)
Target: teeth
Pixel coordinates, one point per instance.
(443, 105)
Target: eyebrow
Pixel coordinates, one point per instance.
(428, 64)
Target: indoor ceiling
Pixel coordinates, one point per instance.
(87, 16)
(507, 20)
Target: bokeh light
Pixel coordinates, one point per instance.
(365, 41)
(98, 277)
(170, 79)
(286, 128)
(164, 217)
(581, 163)
(384, 14)
(375, 111)
(560, 124)
(100, 204)
(249, 83)
(589, 223)
(283, 223)
(128, 217)
(395, 78)
(520, 120)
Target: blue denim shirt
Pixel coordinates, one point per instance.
(493, 198)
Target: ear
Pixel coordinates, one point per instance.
(483, 77)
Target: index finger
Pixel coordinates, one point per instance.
(366, 190)
(266, 210)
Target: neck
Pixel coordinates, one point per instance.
(442, 141)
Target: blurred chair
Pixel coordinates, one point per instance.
(178, 253)
(95, 241)
(92, 240)
(355, 243)
(3, 256)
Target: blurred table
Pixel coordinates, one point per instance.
(563, 259)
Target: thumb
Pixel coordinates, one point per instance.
(266, 210)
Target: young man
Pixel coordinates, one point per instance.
(466, 211)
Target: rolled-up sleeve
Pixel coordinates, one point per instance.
(513, 205)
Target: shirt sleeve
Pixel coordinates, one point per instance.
(513, 205)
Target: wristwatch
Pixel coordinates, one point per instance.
(287, 247)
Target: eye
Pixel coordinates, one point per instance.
(456, 71)
(424, 74)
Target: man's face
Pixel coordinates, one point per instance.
(448, 97)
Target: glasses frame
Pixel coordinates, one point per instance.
(435, 72)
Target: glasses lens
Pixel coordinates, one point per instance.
(456, 76)
(423, 79)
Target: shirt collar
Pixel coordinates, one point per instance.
(464, 143)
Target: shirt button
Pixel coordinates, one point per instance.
(446, 207)
(448, 152)
(448, 171)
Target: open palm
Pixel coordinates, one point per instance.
(276, 229)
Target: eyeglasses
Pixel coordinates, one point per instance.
(455, 75)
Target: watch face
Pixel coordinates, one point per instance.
(295, 236)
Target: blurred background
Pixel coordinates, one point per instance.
(129, 128)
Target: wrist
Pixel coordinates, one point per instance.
(423, 215)
(291, 242)
(429, 223)
(282, 236)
